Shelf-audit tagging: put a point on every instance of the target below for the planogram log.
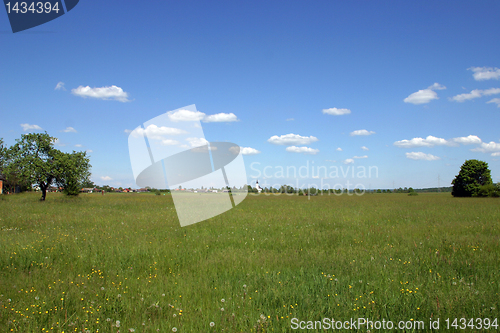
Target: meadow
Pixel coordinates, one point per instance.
(122, 263)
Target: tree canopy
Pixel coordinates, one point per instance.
(472, 176)
(34, 160)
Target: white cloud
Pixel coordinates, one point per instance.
(27, 127)
(488, 147)
(491, 91)
(338, 149)
(69, 130)
(465, 97)
(496, 101)
(425, 95)
(430, 141)
(336, 112)
(304, 150)
(476, 93)
(169, 142)
(437, 86)
(467, 140)
(421, 156)
(364, 148)
(249, 151)
(78, 145)
(290, 119)
(348, 161)
(196, 142)
(362, 132)
(155, 132)
(495, 154)
(185, 115)
(112, 92)
(89, 151)
(485, 73)
(188, 115)
(291, 139)
(106, 178)
(364, 156)
(59, 86)
(220, 117)
(421, 97)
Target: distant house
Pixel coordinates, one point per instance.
(87, 190)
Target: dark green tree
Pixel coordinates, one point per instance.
(473, 174)
(72, 171)
(3, 156)
(34, 160)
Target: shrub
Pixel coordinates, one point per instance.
(489, 190)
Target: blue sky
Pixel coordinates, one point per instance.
(302, 79)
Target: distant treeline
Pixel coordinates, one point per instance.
(308, 191)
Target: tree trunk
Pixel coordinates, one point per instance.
(43, 187)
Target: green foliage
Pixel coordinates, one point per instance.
(3, 156)
(34, 160)
(489, 190)
(72, 171)
(473, 174)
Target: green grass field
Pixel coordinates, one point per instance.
(121, 262)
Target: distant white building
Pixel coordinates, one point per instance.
(257, 186)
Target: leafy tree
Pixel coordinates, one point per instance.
(3, 156)
(72, 171)
(473, 174)
(89, 184)
(412, 192)
(34, 160)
